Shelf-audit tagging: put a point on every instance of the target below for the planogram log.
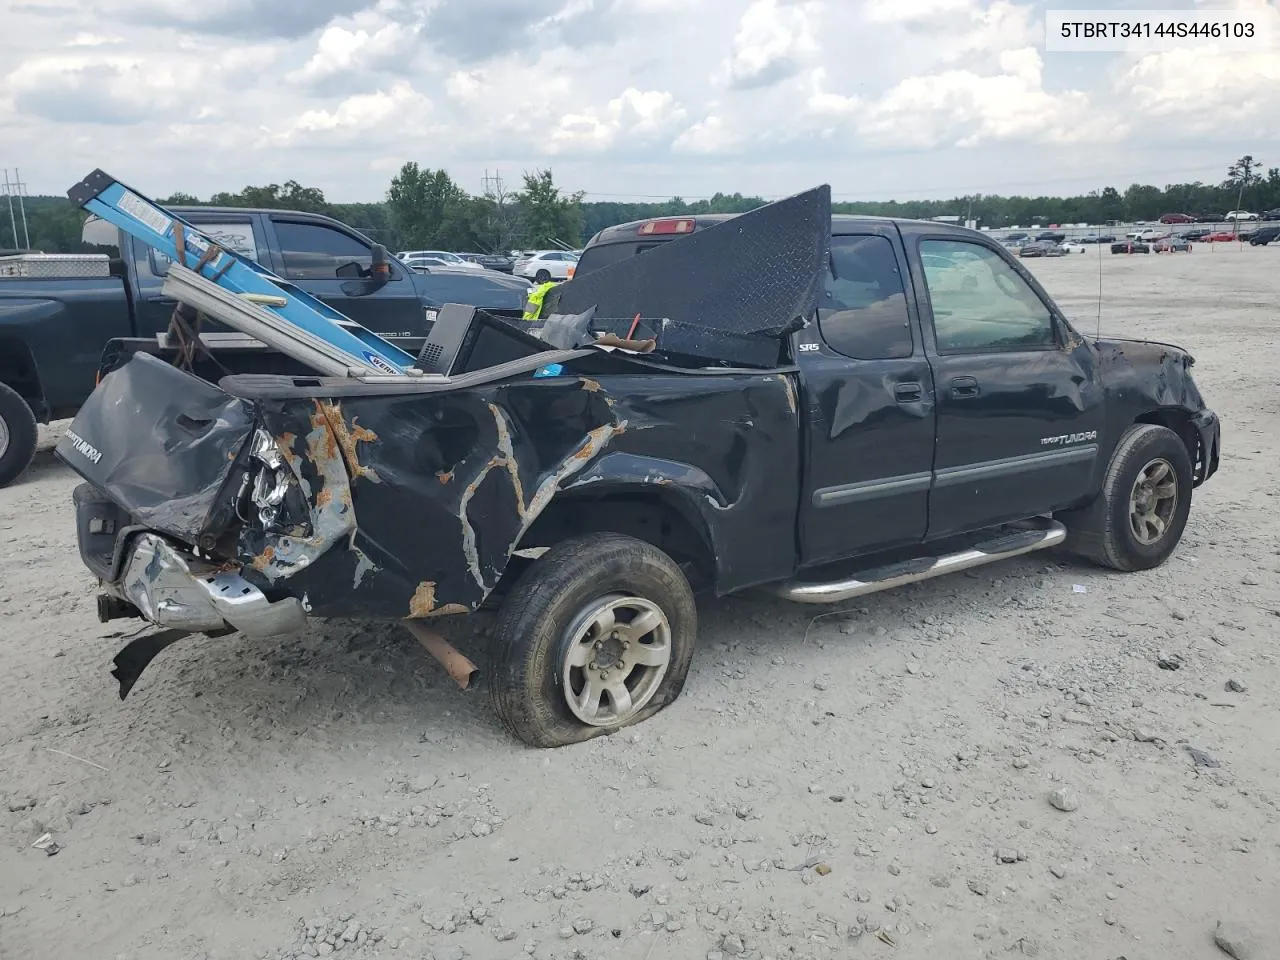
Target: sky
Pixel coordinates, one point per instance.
(622, 99)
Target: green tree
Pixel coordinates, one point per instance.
(546, 216)
(1143, 202)
(430, 211)
(292, 196)
(1242, 175)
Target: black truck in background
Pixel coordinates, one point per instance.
(928, 408)
(53, 329)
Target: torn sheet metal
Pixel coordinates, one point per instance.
(162, 442)
(754, 273)
(418, 501)
(346, 500)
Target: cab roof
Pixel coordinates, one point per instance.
(840, 223)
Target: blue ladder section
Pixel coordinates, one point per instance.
(144, 219)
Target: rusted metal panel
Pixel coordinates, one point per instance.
(418, 502)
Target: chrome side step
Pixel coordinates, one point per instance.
(1034, 535)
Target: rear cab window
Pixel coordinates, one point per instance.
(237, 236)
(864, 314)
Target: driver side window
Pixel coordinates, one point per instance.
(980, 303)
(314, 251)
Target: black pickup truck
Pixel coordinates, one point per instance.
(53, 329)
(930, 409)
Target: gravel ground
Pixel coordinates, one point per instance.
(989, 765)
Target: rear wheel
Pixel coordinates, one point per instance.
(541, 276)
(18, 435)
(1137, 521)
(597, 635)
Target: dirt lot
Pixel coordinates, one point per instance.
(844, 787)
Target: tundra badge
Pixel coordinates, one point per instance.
(1069, 438)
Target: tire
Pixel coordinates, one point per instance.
(550, 614)
(1107, 531)
(541, 276)
(18, 435)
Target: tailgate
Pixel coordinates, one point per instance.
(160, 442)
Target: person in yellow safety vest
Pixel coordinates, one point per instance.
(533, 305)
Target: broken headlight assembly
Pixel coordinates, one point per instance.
(270, 499)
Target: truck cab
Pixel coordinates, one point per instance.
(942, 389)
(54, 328)
(316, 253)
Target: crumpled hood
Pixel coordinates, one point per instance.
(1140, 350)
(1147, 374)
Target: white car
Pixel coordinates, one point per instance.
(1233, 215)
(435, 258)
(1072, 246)
(543, 265)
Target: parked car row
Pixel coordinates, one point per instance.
(536, 265)
(543, 265)
(1140, 241)
(1231, 216)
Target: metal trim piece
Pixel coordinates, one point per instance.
(845, 493)
(1011, 466)
(1040, 536)
(167, 591)
(257, 321)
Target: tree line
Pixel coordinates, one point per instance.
(426, 208)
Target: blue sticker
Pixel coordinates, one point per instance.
(378, 362)
(550, 370)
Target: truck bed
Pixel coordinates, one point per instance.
(42, 329)
(406, 499)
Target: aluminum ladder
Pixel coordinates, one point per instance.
(241, 293)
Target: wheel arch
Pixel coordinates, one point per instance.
(658, 513)
(18, 371)
(1180, 422)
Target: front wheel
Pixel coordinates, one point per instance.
(18, 435)
(597, 635)
(1138, 519)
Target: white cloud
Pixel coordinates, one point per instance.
(965, 109)
(709, 135)
(822, 103)
(86, 39)
(904, 11)
(773, 41)
(397, 111)
(620, 96)
(634, 118)
(344, 50)
(1208, 90)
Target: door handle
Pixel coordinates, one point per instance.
(908, 392)
(963, 388)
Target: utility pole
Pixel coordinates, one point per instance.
(12, 188)
(495, 191)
